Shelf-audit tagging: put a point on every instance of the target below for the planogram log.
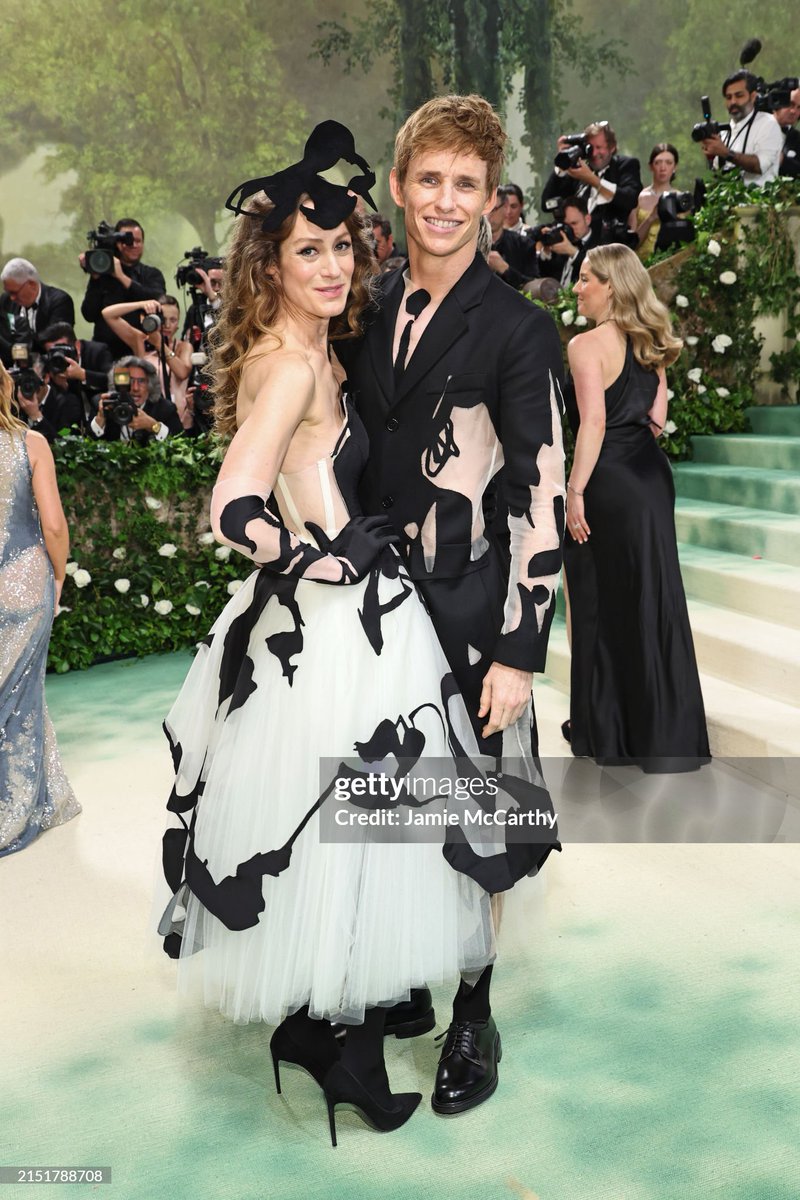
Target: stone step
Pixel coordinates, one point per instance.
(779, 453)
(738, 530)
(741, 723)
(747, 651)
(755, 487)
(758, 587)
(778, 419)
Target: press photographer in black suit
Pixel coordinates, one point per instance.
(611, 182)
(787, 116)
(47, 410)
(132, 280)
(155, 418)
(29, 302)
(513, 255)
(86, 367)
(562, 260)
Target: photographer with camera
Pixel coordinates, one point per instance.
(787, 114)
(117, 274)
(204, 276)
(562, 247)
(134, 409)
(156, 340)
(512, 256)
(46, 408)
(28, 306)
(752, 143)
(75, 366)
(589, 165)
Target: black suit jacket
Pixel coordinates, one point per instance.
(790, 159)
(622, 170)
(53, 305)
(482, 391)
(147, 283)
(520, 254)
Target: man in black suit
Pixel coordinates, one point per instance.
(132, 280)
(86, 370)
(562, 261)
(513, 255)
(28, 301)
(610, 181)
(155, 419)
(457, 376)
(48, 410)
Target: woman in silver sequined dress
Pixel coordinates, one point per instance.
(34, 791)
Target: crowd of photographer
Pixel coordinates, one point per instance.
(139, 379)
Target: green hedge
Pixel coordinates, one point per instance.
(140, 542)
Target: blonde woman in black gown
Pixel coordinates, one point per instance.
(635, 691)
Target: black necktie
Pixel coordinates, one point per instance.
(415, 303)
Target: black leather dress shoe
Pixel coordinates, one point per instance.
(467, 1073)
(408, 1019)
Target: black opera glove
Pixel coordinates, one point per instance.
(357, 546)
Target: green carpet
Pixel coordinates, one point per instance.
(645, 997)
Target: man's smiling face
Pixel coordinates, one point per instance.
(444, 196)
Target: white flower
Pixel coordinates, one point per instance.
(721, 343)
(696, 374)
(670, 427)
(119, 553)
(223, 553)
(567, 316)
(203, 583)
(144, 601)
(192, 610)
(714, 248)
(691, 341)
(701, 388)
(168, 550)
(723, 392)
(163, 607)
(122, 585)
(152, 503)
(581, 320)
(728, 278)
(206, 539)
(670, 394)
(234, 586)
(681, 301)
(81, 578)
(71, 568)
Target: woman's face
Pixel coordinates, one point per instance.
(316, 267)
(663, 167)
(513, 211)
(594, 297)
(170, 319)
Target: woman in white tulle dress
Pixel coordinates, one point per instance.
(325, 652)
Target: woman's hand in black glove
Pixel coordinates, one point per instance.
(358, 545)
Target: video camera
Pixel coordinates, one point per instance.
(673, 208)
(99, 260)
(549, 235)
(771, 96)
(118, 404)
(187, 276)
(579, 148)
(708, 127)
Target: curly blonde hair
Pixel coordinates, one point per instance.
(634, 305)
(252, 300)
(8, 422)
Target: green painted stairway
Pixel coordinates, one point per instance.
(738, 523)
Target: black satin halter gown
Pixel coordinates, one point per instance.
(635, 692)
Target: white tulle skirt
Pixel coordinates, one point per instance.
(345, 925)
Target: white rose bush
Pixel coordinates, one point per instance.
(143, 577)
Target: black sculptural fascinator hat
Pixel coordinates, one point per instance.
(328, 142)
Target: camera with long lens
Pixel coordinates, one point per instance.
(26, 381)
(119, 405)
(550, 235)
(187, 274)
(203, 396)
(56, 362)
(673, 210)
(578, 148)
(104, 241)
(151, 322)
(708, 127)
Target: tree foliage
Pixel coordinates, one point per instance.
(154, 107)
